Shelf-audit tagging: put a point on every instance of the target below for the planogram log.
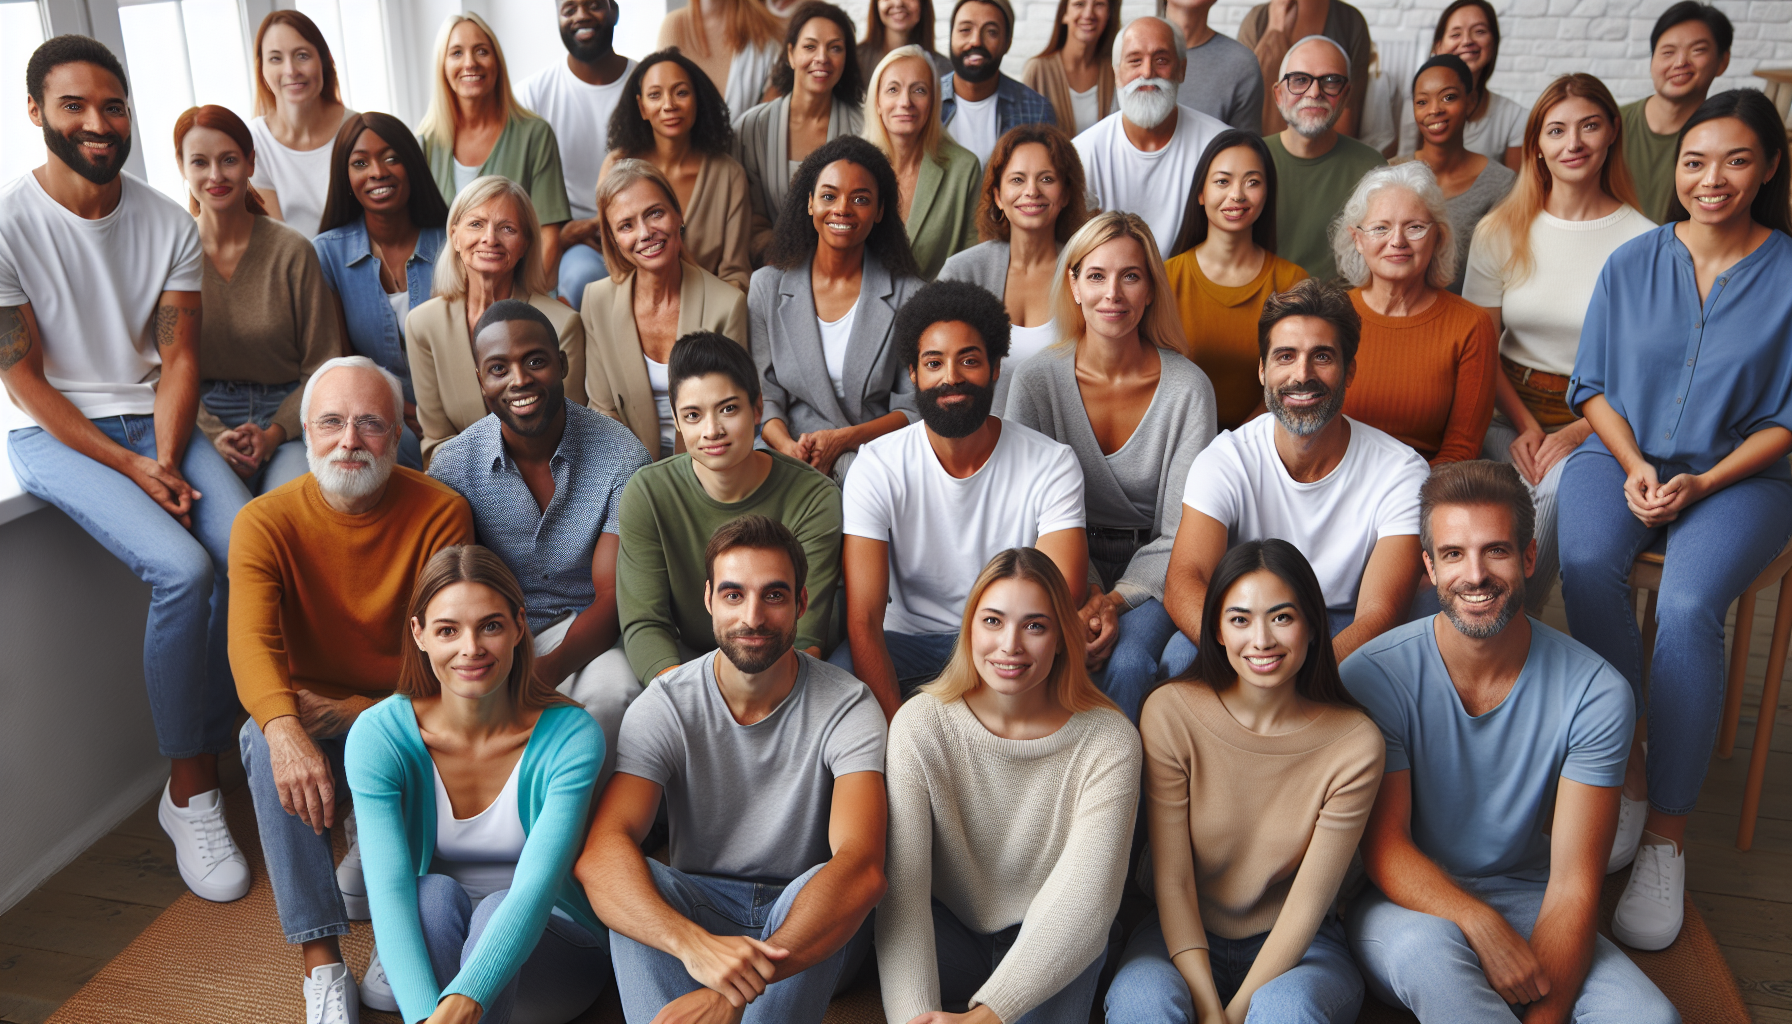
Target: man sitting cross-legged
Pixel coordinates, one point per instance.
(1506, 747)
(771, 764)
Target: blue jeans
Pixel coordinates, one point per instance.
(564, 975)
(1716, 547)
(186, 667)
(918, 657)
(1323, 987)
(1179, 654)
(238, 402)
(1132, 670)
(1425, 964)
(648, 979)
(579, 266)
(967, 958)
(301, 866)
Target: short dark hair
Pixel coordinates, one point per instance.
(1477, 482)
(952, 301)
(70, 49)
(1772, 206)
(629, 134)
(426, 207)
(851, 86)
(701, 353)
(1692, 10)
(1321, 300)
(794, 238)
(510, 310)
(1451, 63)
(761, 533)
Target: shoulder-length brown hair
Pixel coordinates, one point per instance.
(992, 224)
(1068, 683)
(624, 174)
(1104, 43)
(427, 209)
(877, 34)
(470, 563)
(220, 119)
(264, 96)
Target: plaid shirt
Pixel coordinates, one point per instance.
(1015, 104)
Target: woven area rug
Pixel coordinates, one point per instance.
(228, 963)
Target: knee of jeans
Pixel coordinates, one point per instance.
(1682, 610)
(182, 571)
(1148, 991)
(253, 746)
(1650, 1007)
(1411, 940)
(440, 897)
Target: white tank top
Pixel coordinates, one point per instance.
(479, 852)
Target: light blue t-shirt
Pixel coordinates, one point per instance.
(1483, 789)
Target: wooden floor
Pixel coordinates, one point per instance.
(60, 935)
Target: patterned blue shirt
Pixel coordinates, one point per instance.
(1015, 105)
(551, 551)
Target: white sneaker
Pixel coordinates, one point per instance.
(376, 991)
(330, 996)
(353, 884)
(1631, 816)
(208, 859)
(1653, 906)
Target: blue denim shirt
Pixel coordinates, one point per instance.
(354, 275)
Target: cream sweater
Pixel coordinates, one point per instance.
(1003, 831)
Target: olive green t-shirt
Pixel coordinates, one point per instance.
(527, 153)
(1651, 161)
(1309, 193)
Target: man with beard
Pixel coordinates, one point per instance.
(1343, 492)
(99, 346)
(1141, 158)
(770, 763)
(576, 98)
(1506, 748)
(1316, 167)
(321, 571)
(928, 506)
(978, 103)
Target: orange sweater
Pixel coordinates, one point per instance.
(1221, 324)
(1427, 379)
(318, 598)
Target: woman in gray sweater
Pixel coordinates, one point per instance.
(1117, 388)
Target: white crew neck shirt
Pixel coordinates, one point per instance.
(464, 176)
(93, 286)
(975, 126)
(660, 380)
(479, 852)
(299, 178)
(1153, 185)
(401, 306)
(579, 113)
(834, 339)
(1086, 106)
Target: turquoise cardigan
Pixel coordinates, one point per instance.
(391, 776)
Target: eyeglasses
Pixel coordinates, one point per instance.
(330, 427)
(1414, 231)
(1298, 82)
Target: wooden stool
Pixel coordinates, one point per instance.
(1645, 575)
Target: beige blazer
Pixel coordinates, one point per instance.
(447, 380)
(718, 222)
(615, 374)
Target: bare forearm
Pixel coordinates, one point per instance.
(1614, 430)
(177, 407)
(592, 632)
(1185, 594)
(1563, 942)
(1414, 881)
(871, 663)
(828, 912)
(51, 410)
(871, 430)
(1756, 452)
(620, 887)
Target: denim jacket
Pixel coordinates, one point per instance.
(354, 275)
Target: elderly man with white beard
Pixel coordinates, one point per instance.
(1141, 158)
(322, 570)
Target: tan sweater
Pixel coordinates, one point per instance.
(1252, 833)
(1002, 831)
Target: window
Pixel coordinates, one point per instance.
(160, 39)
(21, 142)
(356, 33)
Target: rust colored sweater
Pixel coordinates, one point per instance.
(318, 598)
(1427, 379)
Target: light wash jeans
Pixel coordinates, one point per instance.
(1323, 988)
(967, 958)
(301, 866)
(186, 666)
(648, 979)
(917, 657)
(605, 687)
(1179, 653)
(1498, 447)
(564, 975)
(1132, 669)
(238, 402)
(1425, 964)
(580, 265)
(1715, 548)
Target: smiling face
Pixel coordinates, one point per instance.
(1686, 61)
(587, 28)
(668, 100)
(1261, 627)
(1086, 19)
(471, 63)
(1031, 193)
(1441, 104)
(955, 386)
(1478, 567)
(1304, 375)
(1148, 51)
(900, 16)
(1313, 113)
(377, 176)
(1469, 35)
(845, 205)
(522, 375)
(470, 634)
(905, 98)
(351, 437)
(754, 606)
(86, 120)
(979, 39)
(291, 65)
(646, 227)
(1236, 189)
(716, 421)
(216, 170)
(1720, 170)
(1396, 256)
(1113, 286)
(1014, 637)
(1577, 137)
(490, 239)
(819, 56)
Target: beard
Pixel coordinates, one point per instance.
(1304, 422)
(1148, 102)
(351, 484)
(755, 662)
(1511, 602)
(600, 45)
(957, 420)
(68, 149)
(552, 402)
(1302, 116)
(990, 68)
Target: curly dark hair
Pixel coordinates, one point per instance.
(794, 239)
(631, 135)
(949, 302)
(851, 86)
(70, 49)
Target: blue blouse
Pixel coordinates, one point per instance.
(1692, 381)
(354, 275)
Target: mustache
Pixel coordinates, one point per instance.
(1316, 386)
(939, 391)
(760, 632)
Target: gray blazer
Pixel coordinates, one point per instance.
(762, 145)
(793, 372)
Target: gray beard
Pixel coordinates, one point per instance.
(1308, 129)
(347, 484)
(1148, 107)
(1514, 603)
(1304, 424)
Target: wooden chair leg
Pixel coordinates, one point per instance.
(1770, 700)
(1648, 634)
(1745, 628)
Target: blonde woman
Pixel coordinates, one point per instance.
(1013, 784)
(1075, 71)
(735, 42)
(655, 294)
(492, 238)
(936, 178)
(476, 127)
(298, 111)
(1120, 390)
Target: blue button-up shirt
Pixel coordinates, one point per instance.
(1693, 381)
(550, 551)
(1015, 105)
(354, 275)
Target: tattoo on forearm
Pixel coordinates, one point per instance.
(168, 320)
(15, 337)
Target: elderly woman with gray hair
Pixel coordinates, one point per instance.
(1426, 366)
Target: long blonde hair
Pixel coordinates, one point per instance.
(624, 174)
(450, 280)
(931, 131)
(442, 119)
(1511, 220)
(1161, 325)
(470, 563)
(1068, 683)
(749, 26)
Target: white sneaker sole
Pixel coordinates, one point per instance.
(1651, 942)
(357, 907)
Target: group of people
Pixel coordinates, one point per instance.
(890, 521)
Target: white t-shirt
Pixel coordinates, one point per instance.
(579, 113)
(1026, 342)
(1373, 493)
(464, 176)
(1086, 106)
(834, 337)
(659, 379)
(480, 852)
(1542, 314)
(401, 306)
(93, 286)
(1152, 185)
(975, 127)
(299, 178)
(1500, 127)
(942, 530)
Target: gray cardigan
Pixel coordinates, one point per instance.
(1178, 425)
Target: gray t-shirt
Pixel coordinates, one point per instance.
(1224, 81)
(750, 801)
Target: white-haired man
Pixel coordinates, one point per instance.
(323, 569)
(1141, 158)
